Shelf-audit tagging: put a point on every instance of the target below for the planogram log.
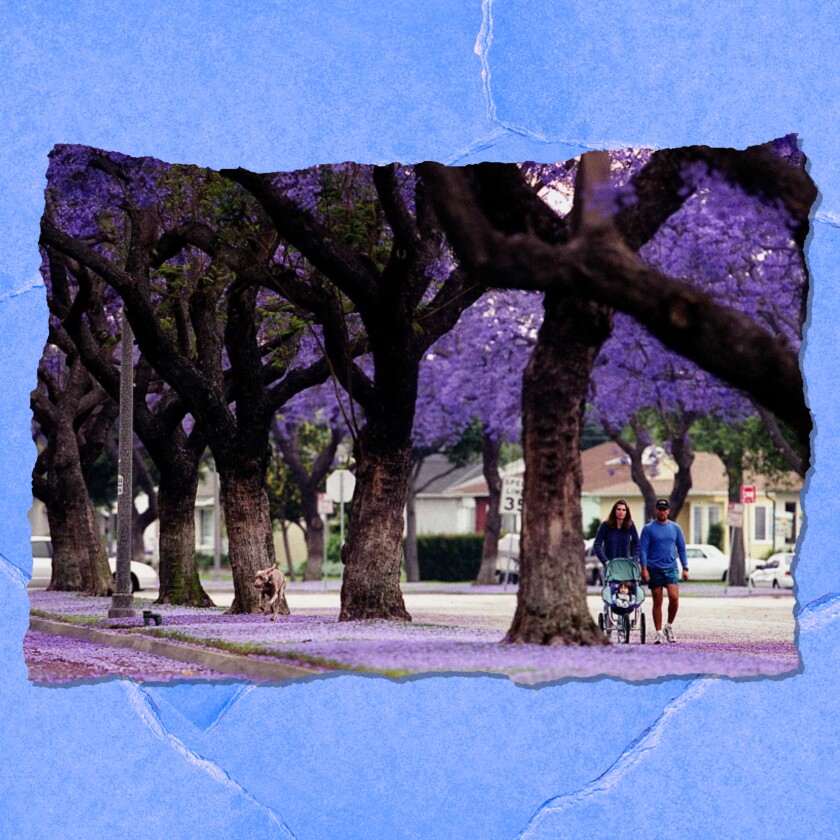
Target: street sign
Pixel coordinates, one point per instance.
(512, 494)
(748, 494)
(325, 505)
(340, 486)
(735, 515)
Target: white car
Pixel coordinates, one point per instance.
(143, 576)
(507, 562)
(775, 572)
(706, 562)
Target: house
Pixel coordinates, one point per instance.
(440, 511)
(207, 514)
(772, 521)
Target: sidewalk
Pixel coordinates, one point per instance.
(457, 630)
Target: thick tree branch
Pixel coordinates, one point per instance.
(334, 259)
(721, 340)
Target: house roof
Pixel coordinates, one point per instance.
(604, 472)
(437, 475)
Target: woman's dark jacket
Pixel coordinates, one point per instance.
(616, 542)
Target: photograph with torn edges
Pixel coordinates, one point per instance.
(539, 421)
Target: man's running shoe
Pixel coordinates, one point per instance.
(669, 633)
(657, 639)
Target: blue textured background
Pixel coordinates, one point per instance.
(279, 85)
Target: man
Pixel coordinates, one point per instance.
(661, 541)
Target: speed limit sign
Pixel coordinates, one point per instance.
(512, 494)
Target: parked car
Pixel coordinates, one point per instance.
(706, 562)
(507, 563)
(594, 567)
(143, 576)
(775, 572)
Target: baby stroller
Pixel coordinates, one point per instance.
(622, 596)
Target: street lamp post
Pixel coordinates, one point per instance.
(217, 527)
(121, 599)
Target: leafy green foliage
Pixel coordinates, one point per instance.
(715, 535)
(592, 528)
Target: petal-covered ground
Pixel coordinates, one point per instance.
(433, 643)
(55, 659)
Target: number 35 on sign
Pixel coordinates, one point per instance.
(512, 494)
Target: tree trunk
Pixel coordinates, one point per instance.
(551, 602)
(737, 556)
(141, 521)
(372, 554)
(179, 580)
(490, 450)
(290, 568)
(314, 547)
(250, 535)
(66, 575)
(733, 461)
(737, 559)
(138, 544)
(412, 561)
(82, 528)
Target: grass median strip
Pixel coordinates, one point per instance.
(256, 649)
(190, 650)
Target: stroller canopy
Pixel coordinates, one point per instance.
(622, 568)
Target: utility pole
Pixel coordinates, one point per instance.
(121, 599)
(217, 526)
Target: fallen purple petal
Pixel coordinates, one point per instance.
(391, 648)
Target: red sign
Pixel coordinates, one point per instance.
(748, 494)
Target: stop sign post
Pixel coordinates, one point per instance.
(340, 487)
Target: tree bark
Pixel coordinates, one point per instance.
(314, 547)
(290, 568)
(141, 521)
(412, 561)
(66, 575)
(490, 450)
(87, 543)
(250, 542)
(737, 554)
(551, 603)
(179, 580)
(372, 554)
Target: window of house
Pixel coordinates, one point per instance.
(697, 524)
(761, 529)
(702, 516)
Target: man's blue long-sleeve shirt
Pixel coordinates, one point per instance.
(660, 544)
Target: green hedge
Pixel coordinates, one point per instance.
(449, 557)
(715, 536)
(205, 561)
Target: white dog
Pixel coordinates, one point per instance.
(271, 584)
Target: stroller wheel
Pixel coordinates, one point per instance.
(642, 628)
(625, 628)
(601, 622)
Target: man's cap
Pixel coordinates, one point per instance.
(662, 504)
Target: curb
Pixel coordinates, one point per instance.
(228, 663)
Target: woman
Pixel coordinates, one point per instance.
(617, 537)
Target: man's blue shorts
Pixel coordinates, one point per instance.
(663, 577)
